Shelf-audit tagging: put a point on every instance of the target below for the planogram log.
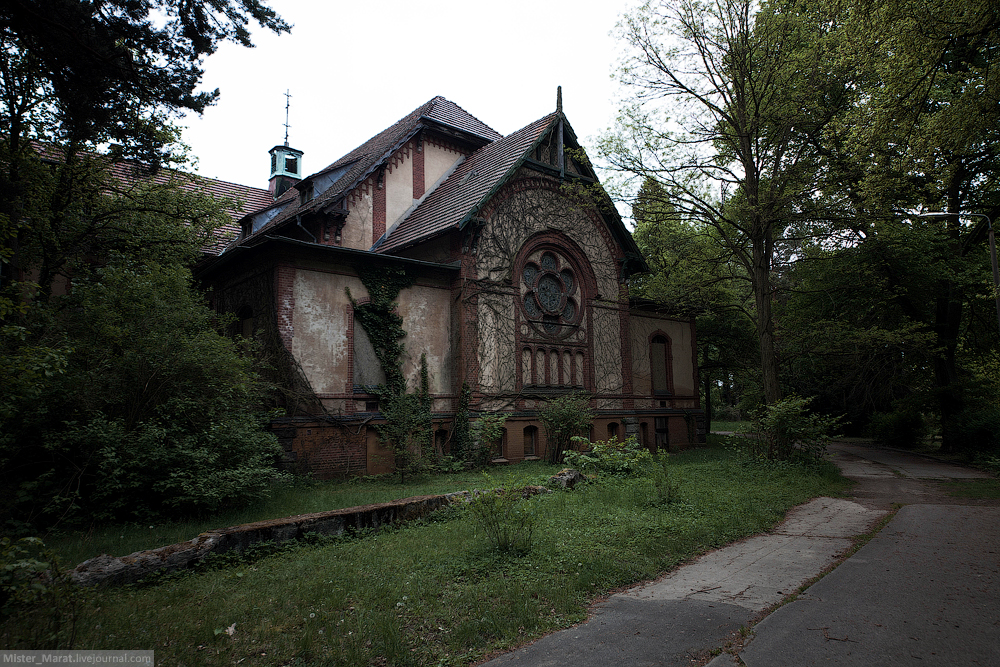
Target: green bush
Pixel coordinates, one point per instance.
(38, 601)
(903, 428)
(146, 409)
(505, 515)
(486, 432)
(979, 430)
(611, 457)
(785, 431)
(565, 417)
(667, 485)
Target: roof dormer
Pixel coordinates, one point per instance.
(286, 169)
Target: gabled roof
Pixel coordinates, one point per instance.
(240, 199)
(358, 164)
(468, 188)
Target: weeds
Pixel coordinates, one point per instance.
(38, 601)
(505, 515)
(436, 592)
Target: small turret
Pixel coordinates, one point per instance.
(286, 169)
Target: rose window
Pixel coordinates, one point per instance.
(550, 293)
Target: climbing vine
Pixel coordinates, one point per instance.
(407, 428)
(380, 320)
(528, 208)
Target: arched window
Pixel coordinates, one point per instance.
(500, 445)
(554, 284)
(530, 440)
(660, 365)
(551, 293)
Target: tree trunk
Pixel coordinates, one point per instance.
(762, 253)
(707, 379)
(947, 329)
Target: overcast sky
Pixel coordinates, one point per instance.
(353, 69)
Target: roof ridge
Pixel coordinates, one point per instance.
(468, 187)
(360, 161)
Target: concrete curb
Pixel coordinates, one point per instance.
(108, 570)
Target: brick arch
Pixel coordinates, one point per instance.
(563, 244)
(526, 183)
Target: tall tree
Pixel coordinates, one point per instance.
(693, 275)
(924, 137)
(78, 74)
(729, 103)
(118, 397)
(116, 70)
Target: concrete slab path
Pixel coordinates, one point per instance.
(690, 614)
(924, 591)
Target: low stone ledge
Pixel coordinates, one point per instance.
(114, 571)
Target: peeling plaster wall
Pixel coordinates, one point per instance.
(497, 370)
(426, 313)
(642, 327)
(357, 231)
(322, 316)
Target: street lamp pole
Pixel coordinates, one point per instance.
(993, 249)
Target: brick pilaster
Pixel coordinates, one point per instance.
(418, 168)
(284, 299)
(378, 207)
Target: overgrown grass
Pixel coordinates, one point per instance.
(434, 592)
(726, 427)
(302, 497)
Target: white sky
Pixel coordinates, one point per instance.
(355, 68)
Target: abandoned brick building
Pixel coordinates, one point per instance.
(518, 267)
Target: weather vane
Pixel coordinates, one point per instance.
(288, 102)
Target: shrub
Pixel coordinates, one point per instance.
(134, 405)
(38, 601)
(667, 487)
(904, 427)
(611, 457)
(565, 417)
(486, 432)
(504, 515)
(978, 428)
(784, 431)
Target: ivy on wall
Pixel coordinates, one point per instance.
(407, 428)
(380, 320)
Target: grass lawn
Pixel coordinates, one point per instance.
(434, 592)
(303, 498)
(721, 426)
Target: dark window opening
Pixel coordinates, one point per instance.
(659, 365)
(530, 440)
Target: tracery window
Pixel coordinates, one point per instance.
(551, 294)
